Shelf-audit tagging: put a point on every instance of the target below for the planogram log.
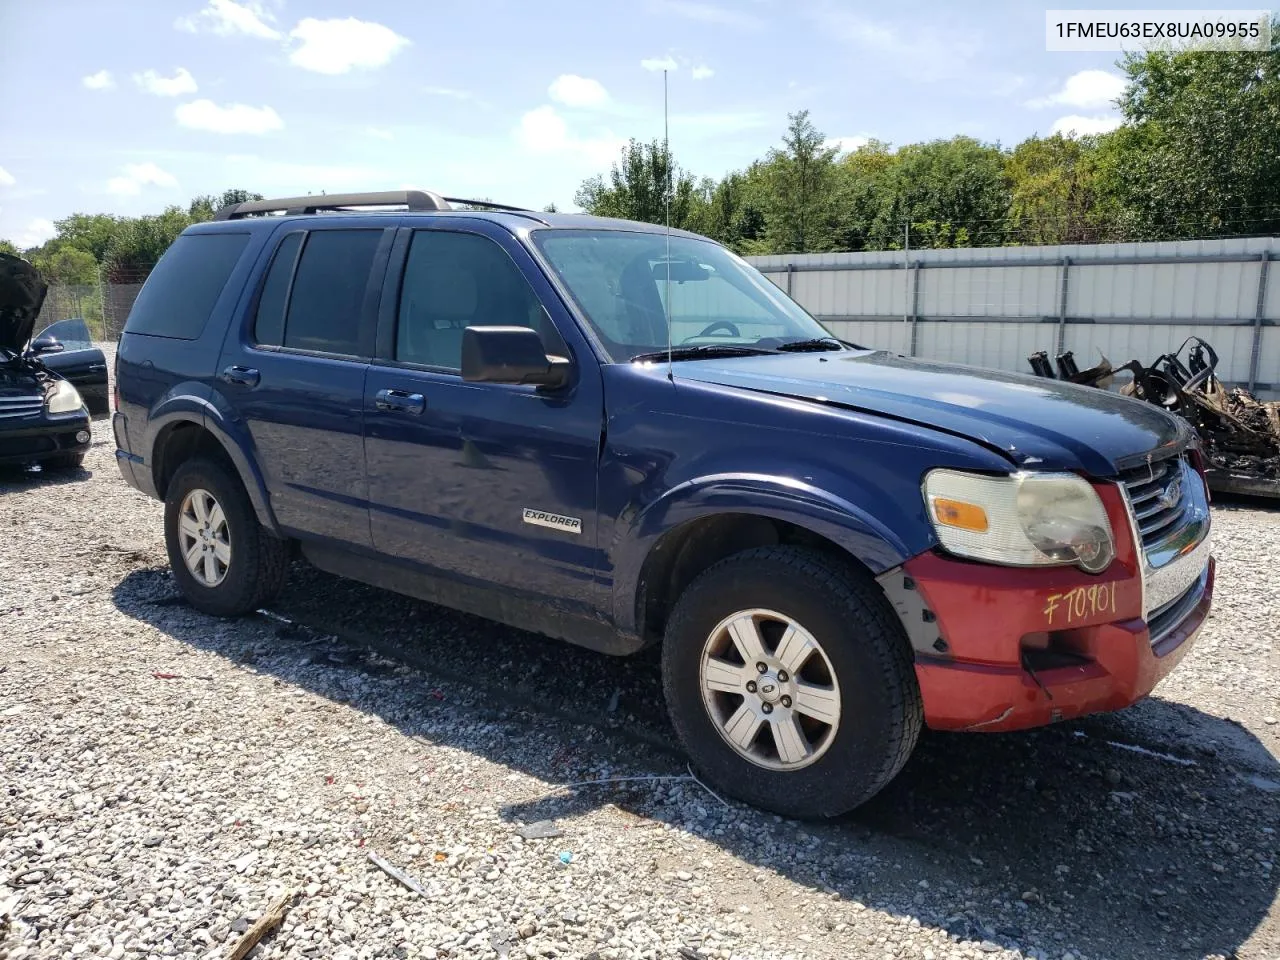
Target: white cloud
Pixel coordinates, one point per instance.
(575, 91)
(139, 175)
(6, 178)
(233, 118)
(226, 17)
(34, 233)
(181, 82)
(1078, 126)
(340, 45)
(450, 92)
(1087, 90)
(922, 51)
(102, 80)
(703, 72)
(846, 144)
(379, 133)
(544, 131)
(708, 13)
(659, 63)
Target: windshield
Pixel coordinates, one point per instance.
(619, 280)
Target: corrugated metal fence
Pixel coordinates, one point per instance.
(993, 306)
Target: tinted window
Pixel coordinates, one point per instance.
(180, 293)
(328, 291)
(456, 280)
(268, 326)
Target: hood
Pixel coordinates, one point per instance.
(1037, 423)
(21, 297)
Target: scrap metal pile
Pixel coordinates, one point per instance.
(1241, 434)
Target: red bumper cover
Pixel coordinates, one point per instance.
(991, 618)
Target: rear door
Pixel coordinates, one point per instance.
(489, 483)
(296, 372)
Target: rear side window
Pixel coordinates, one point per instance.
(268, 325)
(329, 285)
(179, 295)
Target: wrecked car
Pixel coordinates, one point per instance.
(43, 419)
(1240, 434)
(622, 437)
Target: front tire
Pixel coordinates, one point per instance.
(64, 461)
(223, 560)
(789, 682)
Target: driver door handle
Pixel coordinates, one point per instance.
(400, 400)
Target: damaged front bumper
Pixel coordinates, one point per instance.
(1000, 648)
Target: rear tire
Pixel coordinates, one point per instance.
(814, 744)
(223, 560)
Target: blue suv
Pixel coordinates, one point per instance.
(622, 436)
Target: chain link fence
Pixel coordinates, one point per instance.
(103, 306)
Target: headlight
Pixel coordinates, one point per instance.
(64, 398)
(1023, 520)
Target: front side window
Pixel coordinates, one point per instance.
(457, 280)
(329, 286)
(619, 279)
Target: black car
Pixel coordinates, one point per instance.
(43, 418)
(66, 348)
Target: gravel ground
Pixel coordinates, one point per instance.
(165, 775)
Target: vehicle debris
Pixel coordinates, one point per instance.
(1240, 434)
(272, 918)
(395, 873)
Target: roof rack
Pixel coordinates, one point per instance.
(489, 205)
(414, 200)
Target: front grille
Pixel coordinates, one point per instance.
(1164, 620)
(1159, 495)
(13, 408)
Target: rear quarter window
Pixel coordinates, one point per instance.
(180, 294)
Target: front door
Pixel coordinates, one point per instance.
(493, 484)
(295, 375)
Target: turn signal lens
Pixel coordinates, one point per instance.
(957, 513)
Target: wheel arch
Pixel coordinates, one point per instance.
(689, 530)
(190, 435)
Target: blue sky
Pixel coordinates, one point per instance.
(125, 108)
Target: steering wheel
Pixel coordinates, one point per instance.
(726, 325)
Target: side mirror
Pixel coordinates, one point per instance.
(510, 355)
(42, 345)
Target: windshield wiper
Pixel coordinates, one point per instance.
(807, 346)
(702, 351)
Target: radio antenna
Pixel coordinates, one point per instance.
(666, 150)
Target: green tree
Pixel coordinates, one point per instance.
(203, 207)
(65, 264)
(140, 242)
(952, 192)
(864, 179)
(637, 187)
(732, 212)
(801, 211)
(9, 248)
(90, 232)
(1053, 186)
(1200, 152)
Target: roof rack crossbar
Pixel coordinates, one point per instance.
(489, 205)
(414, 200)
